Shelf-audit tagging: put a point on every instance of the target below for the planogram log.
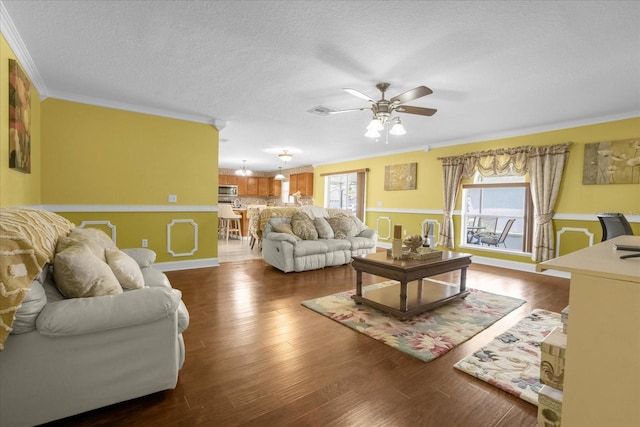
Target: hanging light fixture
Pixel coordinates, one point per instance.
(279, 176)
(285, 156)
(380, 123)
(244, 171)
(398, 129)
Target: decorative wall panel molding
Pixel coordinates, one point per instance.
(571, 229)
(379, 224)
(107, 223)
(195, 237)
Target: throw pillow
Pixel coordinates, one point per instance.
(343, 227)
(143, 256)
(93, 234)
(285, 228)
(125, 268)
(324, 228)
(79, 273)
(360, 226)
(303, 226)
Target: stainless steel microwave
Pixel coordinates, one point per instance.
(228, 190)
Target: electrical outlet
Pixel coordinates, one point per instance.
(379, 203)
(404, 232)
(145, 243)
(173, 198)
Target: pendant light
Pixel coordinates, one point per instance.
(279, 176)
(244, 171)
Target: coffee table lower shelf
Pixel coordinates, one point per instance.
(422, 295)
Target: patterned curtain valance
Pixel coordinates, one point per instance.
(502, 161)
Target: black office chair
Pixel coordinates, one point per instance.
(614, 225)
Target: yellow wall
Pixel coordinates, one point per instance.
(17, 188)
(575, 198)
(102, 156)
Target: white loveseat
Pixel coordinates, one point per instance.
(65, 355)
(288, 249)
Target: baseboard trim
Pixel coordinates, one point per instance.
(187, 265)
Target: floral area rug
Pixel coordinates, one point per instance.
(425, 336)
(511, 361)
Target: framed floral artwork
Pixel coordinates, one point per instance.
(612, 162)
(400, 177)
(19, 118)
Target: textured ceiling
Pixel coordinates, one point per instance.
(496, 68)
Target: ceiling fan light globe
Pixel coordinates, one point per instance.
(372, 133)
(397, 129)
(375, 125)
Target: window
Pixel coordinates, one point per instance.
(489, 206)
(345, 190)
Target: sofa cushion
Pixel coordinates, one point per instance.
(360, 226)
(32, 305)
(324, 228)
(79, 273)
(334, 245)
(125, 268)
(303, 226)
(310, 247)
(143, 256)
(342, 226)
(361, 243)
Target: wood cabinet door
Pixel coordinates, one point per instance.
(293, 183)
(241, 182)
(308, 183)
(276, 187)
(252, 186)
(263, 186)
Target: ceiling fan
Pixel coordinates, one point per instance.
(384, 108)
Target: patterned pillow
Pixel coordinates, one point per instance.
(360, 226)
(303, 226)
(343, 227)
(284, 228)
(324, 229)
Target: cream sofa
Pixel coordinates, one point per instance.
(289, 251)
(65, 355)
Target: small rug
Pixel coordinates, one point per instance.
(424, 336)
(511, 361)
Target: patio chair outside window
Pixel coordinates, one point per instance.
(495, 239)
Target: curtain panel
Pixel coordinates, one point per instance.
(545, 165)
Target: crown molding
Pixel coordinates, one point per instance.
(16, 44)
(89, 100)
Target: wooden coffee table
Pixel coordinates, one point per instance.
(405, 299)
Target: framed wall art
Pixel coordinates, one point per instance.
(612, 162)
(400, 177)
(19, 118)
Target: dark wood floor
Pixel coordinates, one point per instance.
(256, 356)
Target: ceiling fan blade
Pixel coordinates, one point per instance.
(410, 95)
(358, 94)
(348, 110)
(415, 110)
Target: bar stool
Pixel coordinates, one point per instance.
(228, 222)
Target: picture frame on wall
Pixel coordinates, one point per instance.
(612, 162)
(19, 118)
(400, 177)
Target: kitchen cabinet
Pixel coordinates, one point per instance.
(263, 186)
(227, 180)
(302, 182)
(252, 186)
(241, 182)
(275, 187)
